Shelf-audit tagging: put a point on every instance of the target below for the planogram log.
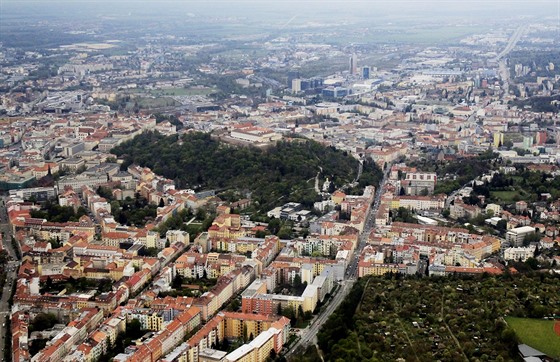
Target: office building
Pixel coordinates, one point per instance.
(365, 72)
(353, 64)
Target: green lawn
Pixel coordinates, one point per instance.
(537, 333)
(505, 196)
(399, 34)
(181, 91)
(156, 102)
(167, 92)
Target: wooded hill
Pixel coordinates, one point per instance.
(281, 173)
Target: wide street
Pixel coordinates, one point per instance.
(503, 69)
(512, 42)
(309, 334)
(11, 272)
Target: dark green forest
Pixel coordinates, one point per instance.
(281, 173)
(538, 103)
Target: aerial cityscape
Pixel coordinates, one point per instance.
(262, 180)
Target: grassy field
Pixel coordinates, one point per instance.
(537, 333)
(168, 92)
(181, 91)
(156, 102)
(421, 35)
(427, 35)
(506, 196)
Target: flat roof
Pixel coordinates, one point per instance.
(523, 229)
(239, 353)
(261, 339)
(212, 353)
(310, 291)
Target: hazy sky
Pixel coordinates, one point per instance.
(223, 6)
(275, 12)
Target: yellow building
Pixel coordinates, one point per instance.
(151, 239)
(365, 268)
(243, 247)
(244, 327)
(498, 139)
(154, 322)
(338, 197)
(258, 350)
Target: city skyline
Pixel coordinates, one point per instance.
(269, 181)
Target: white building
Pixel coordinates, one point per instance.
(515, 236)
(521, 253)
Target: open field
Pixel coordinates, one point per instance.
(537, 333)
(428, 35)
(156, 102)
(88, 46)
(421, 35)
(181, 91)
(506, 196)
(174, 91)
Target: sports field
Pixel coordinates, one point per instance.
(538, 333)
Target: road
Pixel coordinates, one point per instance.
(4, 302)
(11, 272)
(352, 270)
(512, 42)
(503, 69)
(6, 229)
(360, 170)
(317, 189)
(504, 76)
(451, 197)
(309, 334)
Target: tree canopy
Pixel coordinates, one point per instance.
(454, 318)
(273, 176)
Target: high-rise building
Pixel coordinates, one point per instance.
(365, 72)
(541, 137)
(296, 85)
(302, 85)
(527, 142)
(477, 81)
(353, 64)
(293, 74)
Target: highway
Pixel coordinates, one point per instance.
(512, 42)
(309, 334)
(503, 69)
(11, 272)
